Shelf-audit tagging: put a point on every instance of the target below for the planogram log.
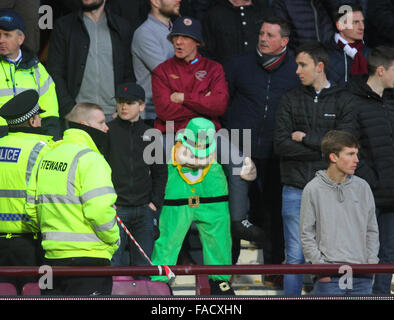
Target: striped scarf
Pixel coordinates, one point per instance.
(269, 62)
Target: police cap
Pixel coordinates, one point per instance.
(11, 20)
(21, 107)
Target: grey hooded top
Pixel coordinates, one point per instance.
(338, 222)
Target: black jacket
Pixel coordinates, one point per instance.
(68, 52)
(254, 97)
(230, 30)
(136, 182)
(302, 110)
(310, 20)
(374, 126)
(380, 23)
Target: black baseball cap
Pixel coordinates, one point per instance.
(11, 20)
(130, 91)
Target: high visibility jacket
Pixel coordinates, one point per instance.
(19, 152)
(71, 198)
(29, 74)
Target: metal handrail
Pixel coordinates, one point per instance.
(200, 269)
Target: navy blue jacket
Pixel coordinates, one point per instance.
(338, 70)
(254, 97)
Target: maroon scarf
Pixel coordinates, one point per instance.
(359, 65)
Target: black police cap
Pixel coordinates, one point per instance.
(21, 107)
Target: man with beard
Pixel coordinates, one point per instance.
(89, 55)
(150, 47)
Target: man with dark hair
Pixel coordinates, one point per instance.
(304, 115)
(337, 220)
(347, 49)
(373, 122)
(256, 82)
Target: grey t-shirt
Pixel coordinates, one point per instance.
(149, 48)
(98, 84)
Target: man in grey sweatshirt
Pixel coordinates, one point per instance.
(338, 222)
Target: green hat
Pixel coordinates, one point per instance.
(199, 137)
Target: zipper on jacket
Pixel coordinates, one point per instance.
(267, 98)
(316, 20)
(345, 67)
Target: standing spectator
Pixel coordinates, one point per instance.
(150, 47)
(231, 27)
(338, 221)
(28, 9)
(20, 150)
(380, 23)
(21, 70)
(89, 54)
(188, 86)
(73, 204)
(138, 185)
(347, 50)
(304, 115)
(373, 125)
(256, 81)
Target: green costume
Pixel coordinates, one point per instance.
(195, 195)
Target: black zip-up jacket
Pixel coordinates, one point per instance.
(303, 110)
(136, 182)
(68, 52)
(374, 127)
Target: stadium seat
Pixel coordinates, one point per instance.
(7, 289)
(31, 289)
(130, 287)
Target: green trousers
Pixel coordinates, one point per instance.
(213, 224)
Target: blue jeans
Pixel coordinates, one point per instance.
(291, 204)
(139, 221)
(361, 286)
(382, 282)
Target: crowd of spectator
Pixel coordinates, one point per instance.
(290, 71)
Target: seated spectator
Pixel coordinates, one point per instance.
(337, 219)
(380, 23)
(231, 27)
(347, 50)
(138, 185)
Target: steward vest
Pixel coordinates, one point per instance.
(15, 79)
(72, 198)
(19, 152)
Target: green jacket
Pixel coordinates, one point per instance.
(19, 152)
(71, 198)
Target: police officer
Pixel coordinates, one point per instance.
(20, 150)
(21, 70)
(72, 199)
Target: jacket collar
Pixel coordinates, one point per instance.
(110, 19)
(80, 138)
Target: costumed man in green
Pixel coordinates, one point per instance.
(197, 192)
